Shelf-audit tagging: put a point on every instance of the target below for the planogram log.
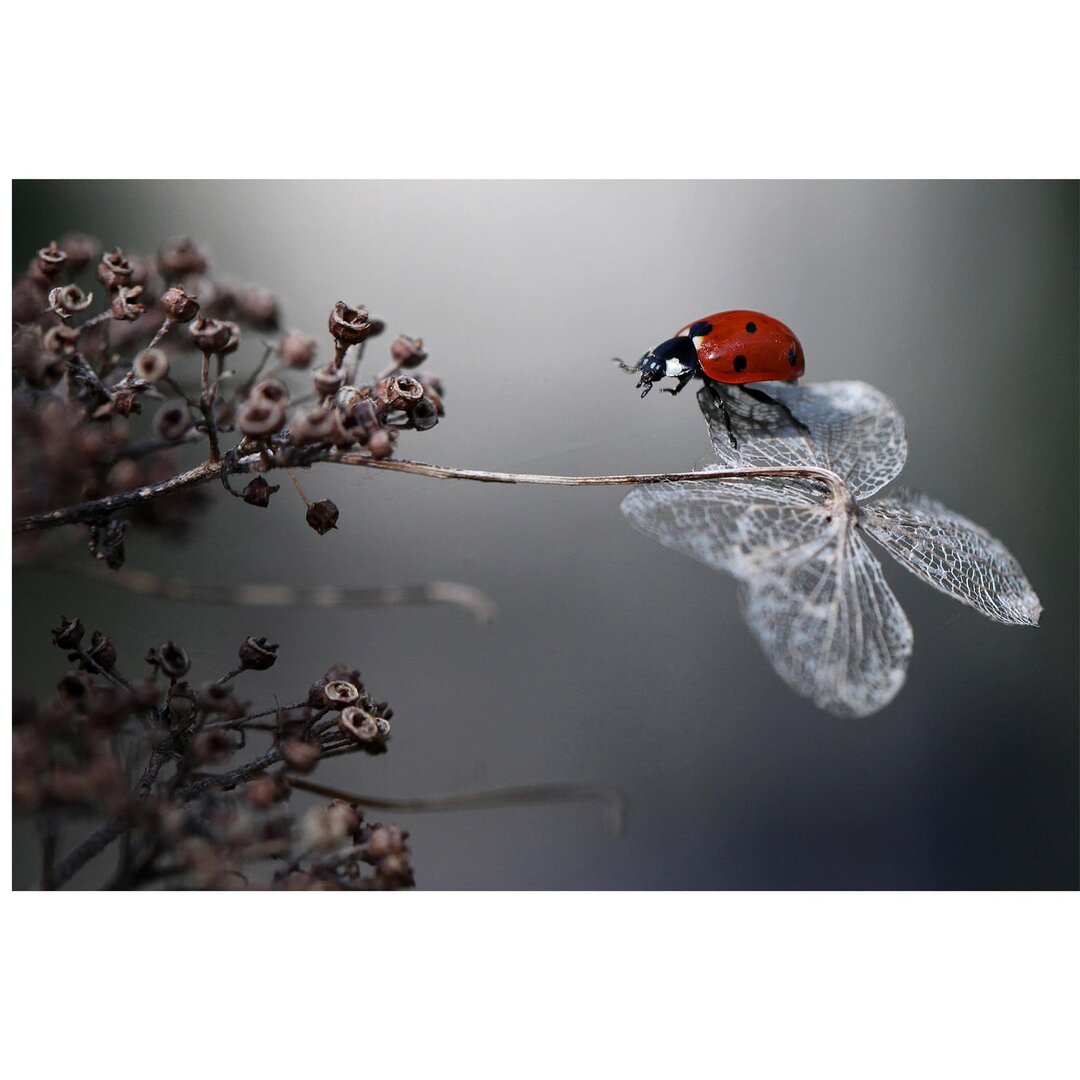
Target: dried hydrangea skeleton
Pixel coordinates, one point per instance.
(812, 590)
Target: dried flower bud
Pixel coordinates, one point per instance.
(66, 300)
(234, 338)
(151, 365)
(172, 421)
(322, 829)
(258, 653)
(259, 419)
(81, 250)
(181, 258)
(381, 444)
(211, 747)
(209, 335)
(424, 415)
(349, 325)
(408, 352)
(314, 426)
(214, 697)
(68, 634)
(348, 815)
(102, 651)
(50, 261)
(177, 305)
(356, 724)
(258, 307)
(328, 380)
(339, 693)
(258, 492)
(114, 270)
(75, 688)
(394, 872)
(265, 791)
(384, 841)
(124, 304)
(297, 350)
(171, 658)
(270, 392)
(322, 516)
(301, 755)
(403, 393)
(61, 340)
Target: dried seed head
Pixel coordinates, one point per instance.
(265, 791)
(403, 392)
(214, 697)
(258, 653)
(270, 392)
(178, 305)
(297, 349)
(384, 841)
(171, 658)
(349, 325)
(50, 261)
(380, 444)
(347, 814)
(424, 415)
(114, 269)
(81, 250)
(102, 651)
(322, 830)
(68, 634)
(259, 419)
(301, 755)
(339, 693)
(356, 724)
(210, 335)
(61, 340)
(322, 516)
(151, 365)
(314, 426)
(172, 421)
(124, 305)
(234, 338)
(258, 492)
(258, 307)
(66, 300)
(211, 747)
(181, 258)
(328, 380)
(408, 352)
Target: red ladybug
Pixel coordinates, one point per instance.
(732, 347)
(729, 347)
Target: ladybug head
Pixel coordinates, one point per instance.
(675, 359)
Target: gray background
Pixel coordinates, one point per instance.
(613, 659)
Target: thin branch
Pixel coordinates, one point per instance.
(97, 509)
(615, 808)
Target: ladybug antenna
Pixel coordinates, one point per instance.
(630, 369)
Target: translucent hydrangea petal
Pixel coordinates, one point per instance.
(854, 430)
(813, 593)
(953, 554)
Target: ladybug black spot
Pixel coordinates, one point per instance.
(751, 328)
(792, 355)
(740, 363)
(700, 329)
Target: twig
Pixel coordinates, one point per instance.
(97, 509)
(476, 800)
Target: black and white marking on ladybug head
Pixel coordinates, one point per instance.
(671, 359)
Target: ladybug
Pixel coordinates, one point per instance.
(730, 347)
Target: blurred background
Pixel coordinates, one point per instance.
(957, 299)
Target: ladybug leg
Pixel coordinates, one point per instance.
(681, 385)
(711, 400)
(768, 399)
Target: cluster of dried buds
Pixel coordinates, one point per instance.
(171, 333)
(197, 811)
